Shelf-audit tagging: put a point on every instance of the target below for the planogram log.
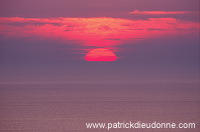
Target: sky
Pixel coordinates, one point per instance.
(47, 41)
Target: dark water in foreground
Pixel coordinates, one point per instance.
(66, 108)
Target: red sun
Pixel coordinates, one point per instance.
(100, 54)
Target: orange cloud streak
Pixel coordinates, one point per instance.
(160, 12)
(100, 32)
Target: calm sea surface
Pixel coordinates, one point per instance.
(67, 107)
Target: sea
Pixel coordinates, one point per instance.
(68, 107)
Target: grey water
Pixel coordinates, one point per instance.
(68, 107)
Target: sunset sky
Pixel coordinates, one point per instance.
(46, 41)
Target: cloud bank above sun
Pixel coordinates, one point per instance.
(99, 32)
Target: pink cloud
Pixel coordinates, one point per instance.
(100, 32)
(160, 12)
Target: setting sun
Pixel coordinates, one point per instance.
(100, 54)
